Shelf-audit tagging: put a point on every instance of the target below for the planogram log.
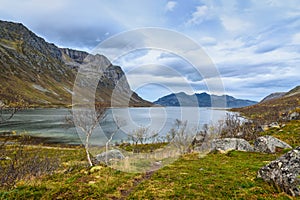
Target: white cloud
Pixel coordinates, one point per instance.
(244, 38)
(198, 16)
(170, 5)
(208, 41)
(234, 24)
(296, 39)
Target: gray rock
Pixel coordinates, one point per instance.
(294, 116)
(226, 144)
(111, 155)
(199, 139)
(284, 172)
(1, 104)
(268, 144)
(274, 125)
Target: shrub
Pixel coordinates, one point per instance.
(19, 162)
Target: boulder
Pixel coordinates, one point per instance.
(268, 144)
(294, 116)
(274, 125)
(226, 144)
(111, 155)
(284, 172)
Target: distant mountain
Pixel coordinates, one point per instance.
(275, 95)
(274, 106)
(43, 74)
(202, 100)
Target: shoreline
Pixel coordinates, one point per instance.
(12, 138)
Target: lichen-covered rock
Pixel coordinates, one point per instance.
(294, 116)
(226, 144)
(284, 172)
(268, 144)
(110, 155)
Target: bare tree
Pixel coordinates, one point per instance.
(180, 136)
(142, 135)
(87, 120)
(235, 126)
(111, 134)
(138, 135)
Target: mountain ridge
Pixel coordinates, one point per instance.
(202, 100)
(275, 108)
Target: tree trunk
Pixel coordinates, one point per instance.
(87, 150)
(106, 150)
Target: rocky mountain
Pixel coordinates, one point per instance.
(202, 100)
(43, 75)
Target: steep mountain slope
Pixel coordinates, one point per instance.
(274, 109)
(202, 100)
(275, 95)
(43, 74)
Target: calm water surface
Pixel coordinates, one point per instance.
(51, 122)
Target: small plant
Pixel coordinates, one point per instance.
(235, 126)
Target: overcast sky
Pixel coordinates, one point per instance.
(255, 44)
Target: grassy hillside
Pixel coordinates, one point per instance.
(274, 109)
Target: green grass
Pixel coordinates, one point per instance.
(215, 176)
(290, 133)
(142, 148)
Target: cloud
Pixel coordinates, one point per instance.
(170, 5)
(266, 48)
(158, 63)
(208, 41)
(254, 44)
(234, 24)
(198, 16)
(296, 39)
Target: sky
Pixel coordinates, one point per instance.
(253, 44)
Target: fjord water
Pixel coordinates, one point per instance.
(51, 123)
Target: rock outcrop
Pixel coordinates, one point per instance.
(263, 144)
(269, 144)
(110, 156)
(294, 116)
(284, 172)
(225, 145)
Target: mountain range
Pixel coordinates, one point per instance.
(42, 74)
(202, 100)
